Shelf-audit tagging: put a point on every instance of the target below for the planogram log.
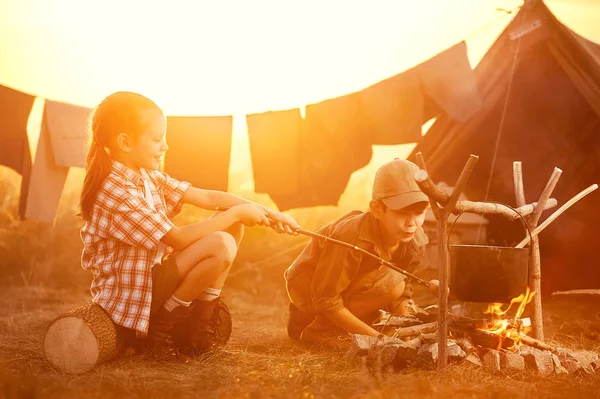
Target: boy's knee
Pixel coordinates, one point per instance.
(397, 291)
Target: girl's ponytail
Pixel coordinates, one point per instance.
(97, 167)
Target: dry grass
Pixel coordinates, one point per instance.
(41, 278)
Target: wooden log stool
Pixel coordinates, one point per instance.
(80, 339)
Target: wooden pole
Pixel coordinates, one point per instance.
(535, 267)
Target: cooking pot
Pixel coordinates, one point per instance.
(481, 273)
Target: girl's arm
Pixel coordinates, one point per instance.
(213, 199)
(247, 214)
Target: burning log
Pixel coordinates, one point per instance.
(490, 340)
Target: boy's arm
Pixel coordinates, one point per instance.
(348, 321)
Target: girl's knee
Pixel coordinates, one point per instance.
(224, 247)
(237, 232)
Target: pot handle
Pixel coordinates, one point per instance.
(508, 206)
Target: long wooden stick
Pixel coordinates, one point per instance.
(556, 214)
(356, 248)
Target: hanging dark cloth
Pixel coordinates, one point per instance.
(332, 146)
(15, 108)
(392, 110)
(274, 148)
(449, 80)
(199, 150)
(62, 144)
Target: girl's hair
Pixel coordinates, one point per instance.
(117, 113)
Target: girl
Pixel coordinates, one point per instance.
(147, 271)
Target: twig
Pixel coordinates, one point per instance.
(556, 214)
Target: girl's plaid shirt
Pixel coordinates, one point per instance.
(121, 240)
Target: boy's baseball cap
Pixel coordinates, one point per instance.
(395, 185)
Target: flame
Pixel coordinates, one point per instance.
(509, 328)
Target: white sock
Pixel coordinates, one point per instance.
(174, 302)
(209, 294)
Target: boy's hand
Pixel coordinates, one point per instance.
(251, 215)
(434, 287)
(283, 223)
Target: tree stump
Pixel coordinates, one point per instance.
(80, 339)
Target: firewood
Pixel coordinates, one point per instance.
(80, 339)
(535, 343)
(415, 330)
(490, 340)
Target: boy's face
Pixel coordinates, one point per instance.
(399, 225)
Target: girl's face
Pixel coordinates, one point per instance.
(147, 150)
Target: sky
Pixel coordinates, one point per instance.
(236, 57)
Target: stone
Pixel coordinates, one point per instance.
(511, 362)
(455, 352)
(427, 355)
(473, 358)
(539, 361)
(491, 360)
(558, 367)
(588, 360)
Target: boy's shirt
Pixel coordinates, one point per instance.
(121, 241)
(331, 268)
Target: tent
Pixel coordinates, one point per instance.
(540, 84)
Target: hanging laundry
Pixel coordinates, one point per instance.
(450, 81)
(62, 144)
(199, 150)
(15, 108)
(392, 110)
(274, 149)
(69, 127)
(333, 144)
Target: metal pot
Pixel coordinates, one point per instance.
(480, 273)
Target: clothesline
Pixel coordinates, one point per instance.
(300, 162)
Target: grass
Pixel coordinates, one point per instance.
(41, 278)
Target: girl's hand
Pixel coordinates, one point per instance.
(251, 215)
(283, 223)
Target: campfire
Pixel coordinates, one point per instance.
(510, 332)
(497, 341)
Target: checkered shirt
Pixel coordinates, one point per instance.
(121, 241)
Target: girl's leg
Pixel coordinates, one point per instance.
(206, 263)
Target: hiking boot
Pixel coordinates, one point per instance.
(204, 330)
(297, 322)
(160, 341)
(323, 334)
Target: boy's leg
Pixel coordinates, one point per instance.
(364, 298)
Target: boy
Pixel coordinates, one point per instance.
(335, 290)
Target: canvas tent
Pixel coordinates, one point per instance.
(540, 84)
